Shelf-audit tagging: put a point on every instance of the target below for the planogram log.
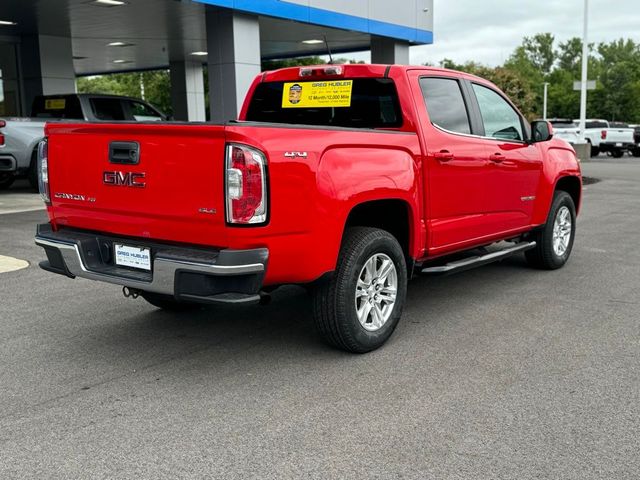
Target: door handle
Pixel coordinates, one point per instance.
(497, 157)
(443, 155)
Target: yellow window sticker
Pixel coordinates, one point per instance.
(55, 104)
(317, 94)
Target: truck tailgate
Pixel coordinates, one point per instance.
(620, 135)
(172, 191)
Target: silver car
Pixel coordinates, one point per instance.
(19, 137)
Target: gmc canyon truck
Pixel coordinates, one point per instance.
(19, 137)
(345, 179)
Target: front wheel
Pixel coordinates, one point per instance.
(636, 152)
(358, 309)
(554, 241)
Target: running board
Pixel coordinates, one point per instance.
(476, 261)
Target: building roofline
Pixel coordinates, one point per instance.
(327, 18)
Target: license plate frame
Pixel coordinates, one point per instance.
(132, 256)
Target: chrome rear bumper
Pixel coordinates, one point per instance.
(188, 273)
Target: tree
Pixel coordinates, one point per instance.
(618, 75)
(156, 85)
(619, 97)
(619, 51)
(615, 66)
(563, 101)
(570, 55)
(539, 51)
(157, 89)
(532, 62)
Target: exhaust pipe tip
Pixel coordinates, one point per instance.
(130, 292)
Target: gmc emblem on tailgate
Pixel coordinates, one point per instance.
(124, 179)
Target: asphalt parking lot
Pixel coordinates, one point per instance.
(499, 372)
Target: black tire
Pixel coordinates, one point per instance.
(617, 153)
(543, 255)
(6, 180)
(167, 302)
(636, 152)
(334, 304)
(32, 175)
(595, 151)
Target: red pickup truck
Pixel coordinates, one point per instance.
(345, 179)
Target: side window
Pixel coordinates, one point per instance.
(107, 109)
(143, 113)
(499, 118)
(445, 104)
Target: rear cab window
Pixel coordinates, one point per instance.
(596, 124)
(57, 107)
(563, 123)
(371, 103)
(108, 109)
(141, 112)
(445, 104)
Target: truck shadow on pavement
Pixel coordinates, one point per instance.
(282, 328)
(283, 325)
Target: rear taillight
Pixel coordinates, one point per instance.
(2, 125)
(603, 135)
(246, 185)
(43, 171)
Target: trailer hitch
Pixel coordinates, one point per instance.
(130, 292)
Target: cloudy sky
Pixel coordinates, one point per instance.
(488, 31)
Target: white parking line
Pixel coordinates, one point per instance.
(17, 202)
(10, 264)
(20, 210)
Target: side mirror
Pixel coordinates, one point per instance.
(541, 131)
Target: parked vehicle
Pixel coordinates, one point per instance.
(566, 129)
(605, 138)
(345, 179)
(19, 137)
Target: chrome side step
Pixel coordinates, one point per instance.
(478, 260)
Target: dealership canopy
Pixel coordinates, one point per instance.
(45, 44)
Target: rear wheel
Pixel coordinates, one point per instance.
(636, 152)
(595, 151)
(167, 302)
(554, 241)
(358, 309)
(617, 153)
